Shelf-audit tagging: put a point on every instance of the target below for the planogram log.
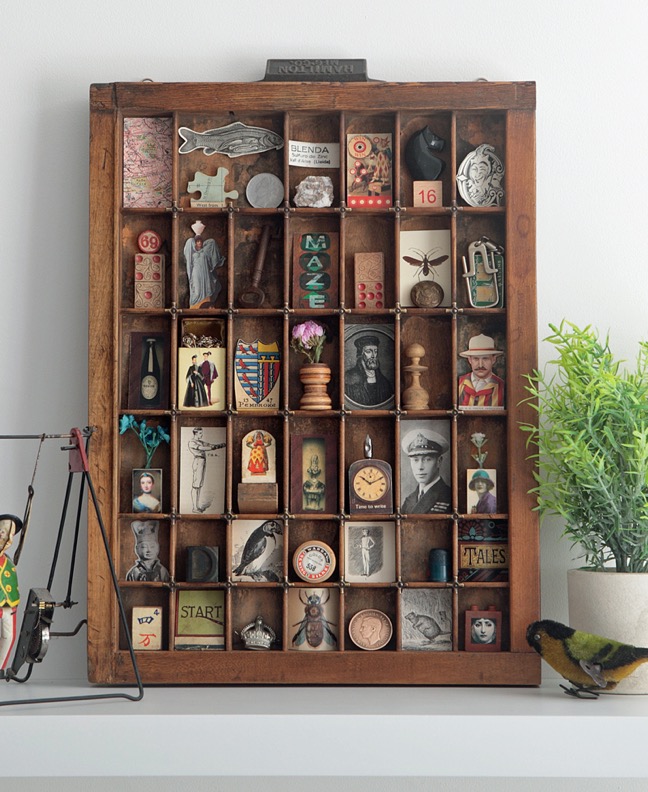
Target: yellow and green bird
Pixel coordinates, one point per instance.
(590, 662)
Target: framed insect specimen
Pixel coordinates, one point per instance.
(425, 278)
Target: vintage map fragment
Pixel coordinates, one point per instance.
(147, 162)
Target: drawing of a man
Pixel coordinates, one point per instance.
(364, 382)
(199, 449)
(366, 543)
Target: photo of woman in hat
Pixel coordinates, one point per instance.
(482, 483)
(481, 387)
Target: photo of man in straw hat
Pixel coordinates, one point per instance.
(481, 387)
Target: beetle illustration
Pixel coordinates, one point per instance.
(314, 627)
(425, 262)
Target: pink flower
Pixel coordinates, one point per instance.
(308, 338)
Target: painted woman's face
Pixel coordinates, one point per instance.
(483, 631)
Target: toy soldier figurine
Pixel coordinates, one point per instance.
(9, 596)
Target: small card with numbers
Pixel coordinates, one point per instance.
(149, 271)
(147, 628)
(428, 194)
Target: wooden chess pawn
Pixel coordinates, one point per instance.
(415, 397)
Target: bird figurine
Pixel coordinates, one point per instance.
(589, 662)
(256, 544)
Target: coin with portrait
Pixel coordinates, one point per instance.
(370, 629)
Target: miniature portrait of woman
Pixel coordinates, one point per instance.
(145, 490)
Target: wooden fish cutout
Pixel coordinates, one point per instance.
(234, 140)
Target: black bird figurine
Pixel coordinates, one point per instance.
(256, 544)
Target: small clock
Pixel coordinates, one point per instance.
(370, 484)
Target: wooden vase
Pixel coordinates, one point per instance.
(315, 377)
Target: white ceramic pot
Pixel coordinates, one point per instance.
(614, 605)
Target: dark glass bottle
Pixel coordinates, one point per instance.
(150, 384)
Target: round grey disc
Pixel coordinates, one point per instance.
(265, 191)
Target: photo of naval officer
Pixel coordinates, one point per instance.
(422, 453)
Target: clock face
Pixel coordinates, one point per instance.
(370, 483)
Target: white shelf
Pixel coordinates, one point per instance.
(513, 732)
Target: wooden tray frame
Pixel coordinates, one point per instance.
(302, 108)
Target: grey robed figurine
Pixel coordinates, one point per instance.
(202, 259)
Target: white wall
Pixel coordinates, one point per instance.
(587, 57)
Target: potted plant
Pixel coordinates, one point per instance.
(591, 450)
(309, 339)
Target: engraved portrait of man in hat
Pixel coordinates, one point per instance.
(369, 381)
(481, 387)
(425, 448)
